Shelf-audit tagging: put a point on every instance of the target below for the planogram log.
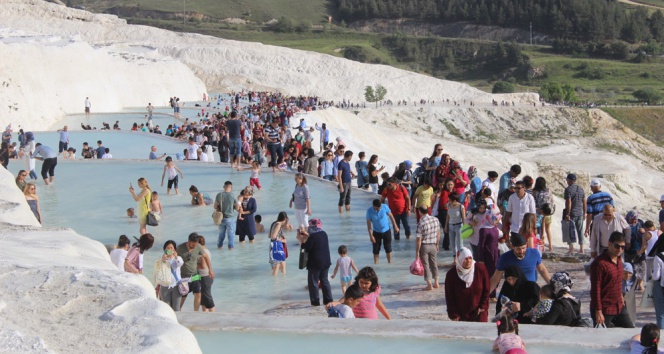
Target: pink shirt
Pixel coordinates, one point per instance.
(367, 306)
(507, 341)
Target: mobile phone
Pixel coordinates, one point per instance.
(168, 252)
(130, 186)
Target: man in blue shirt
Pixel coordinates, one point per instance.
(344, 177)
(595, 203)
(514, 172)
(528, 259)
(50, 158)
(64, 139)
(378, 225)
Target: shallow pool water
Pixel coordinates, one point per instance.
(122, 145)
(91, 197)
(281, 342)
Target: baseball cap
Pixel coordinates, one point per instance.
(661, 199)
(595, 183)
(571, 177)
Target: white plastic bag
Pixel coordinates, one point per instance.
(162, 273)
(502, 248)
(647, 300)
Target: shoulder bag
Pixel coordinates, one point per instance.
(217, 216)
(151, 218)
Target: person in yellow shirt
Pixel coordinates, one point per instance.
(424, 197)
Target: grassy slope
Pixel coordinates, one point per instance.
(646, 121)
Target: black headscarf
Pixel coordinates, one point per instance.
(523, 291)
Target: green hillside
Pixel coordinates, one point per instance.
(315, 11)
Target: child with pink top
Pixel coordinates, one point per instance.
(368, 281)
(508, 341)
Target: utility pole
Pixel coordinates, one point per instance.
(531, 33)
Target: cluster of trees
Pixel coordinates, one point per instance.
(586, 20)
(453, 59)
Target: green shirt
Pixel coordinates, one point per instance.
(190, 266)
(226, 203)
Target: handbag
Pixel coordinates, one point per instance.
(183, 286)
(161, 274)
(152, 219)
(217, 217)
(304, 258)
(416, 268)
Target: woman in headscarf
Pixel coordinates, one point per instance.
(565, 309)
(442, 171)
(488, 235)
(27, 150)
(316, 243)
(467, 289)
(522, 293)
(246, 227)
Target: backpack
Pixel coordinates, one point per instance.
(544, 201)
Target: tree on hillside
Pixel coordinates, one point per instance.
(555, 92)
(375, 95)
(649, 96)
(503, 87)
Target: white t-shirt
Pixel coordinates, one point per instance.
(118, 257)
(519, 208)
(192, 152)
(204, 157)
(488, 184)
(106, 156)
(345, 311)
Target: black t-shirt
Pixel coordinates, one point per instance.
(371, 169)
(233, 127)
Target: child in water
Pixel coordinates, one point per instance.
(344, 263)
(255, 171)
(508, 341)
(352, 298)
(259, 227)
(646, 342)
(172, 175)
(131, 214)
(367, 280)
(155, 204)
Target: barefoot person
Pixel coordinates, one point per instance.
(143, 200)
(50, 158)
(378, 225)
(426, 247)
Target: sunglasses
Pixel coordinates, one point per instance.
(622, 247)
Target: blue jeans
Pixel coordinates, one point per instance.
(402, 222)
(455, 237)
(658, 299)
(276, 154)
(226, 228)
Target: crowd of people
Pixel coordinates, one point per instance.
(505, 219)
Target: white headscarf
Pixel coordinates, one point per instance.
(464, 274)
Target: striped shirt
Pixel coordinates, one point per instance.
(273, 134)
(428, 229)
(597, 201)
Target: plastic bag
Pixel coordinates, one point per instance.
(647, 300)
(416, 268)
(502, 248)
(162, 273)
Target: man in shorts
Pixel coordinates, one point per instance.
(190, 252)
(378, 225)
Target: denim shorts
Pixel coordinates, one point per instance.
(235, 146)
